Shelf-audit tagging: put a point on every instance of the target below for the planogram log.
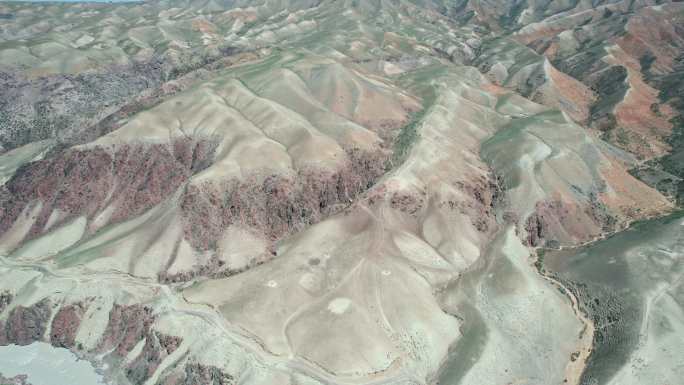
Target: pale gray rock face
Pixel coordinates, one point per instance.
(342, 192)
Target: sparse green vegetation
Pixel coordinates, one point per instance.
(539, 263)
(407, 136)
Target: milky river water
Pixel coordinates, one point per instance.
(47, 365)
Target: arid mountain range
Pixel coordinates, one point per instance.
(345, 191)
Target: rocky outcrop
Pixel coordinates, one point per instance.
(534, 226)
(153, 96)
(486, 193)
(157, 347)
(276, 205)
(75, 108)
(214, 268)
(476, 201)
(555, 223)
(62, 106)
(65, 325)
(131, 179)
(20, 379)
(5, 299)
(25, 325)
(195, 373)
(127, 326)
(408, 203)
(206, 375)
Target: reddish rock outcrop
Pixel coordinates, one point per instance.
(74, 181)
(276, 205)
(409, 203)
(25, 325)
(65, 325)
(556, 223)
(215, 268)
(157, 347)
(146, 176)
(477, 201)
(485, 193)
(127, 326)
(133, 178)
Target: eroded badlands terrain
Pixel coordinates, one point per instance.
(316, 192)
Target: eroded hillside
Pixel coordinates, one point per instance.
(300, 192)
